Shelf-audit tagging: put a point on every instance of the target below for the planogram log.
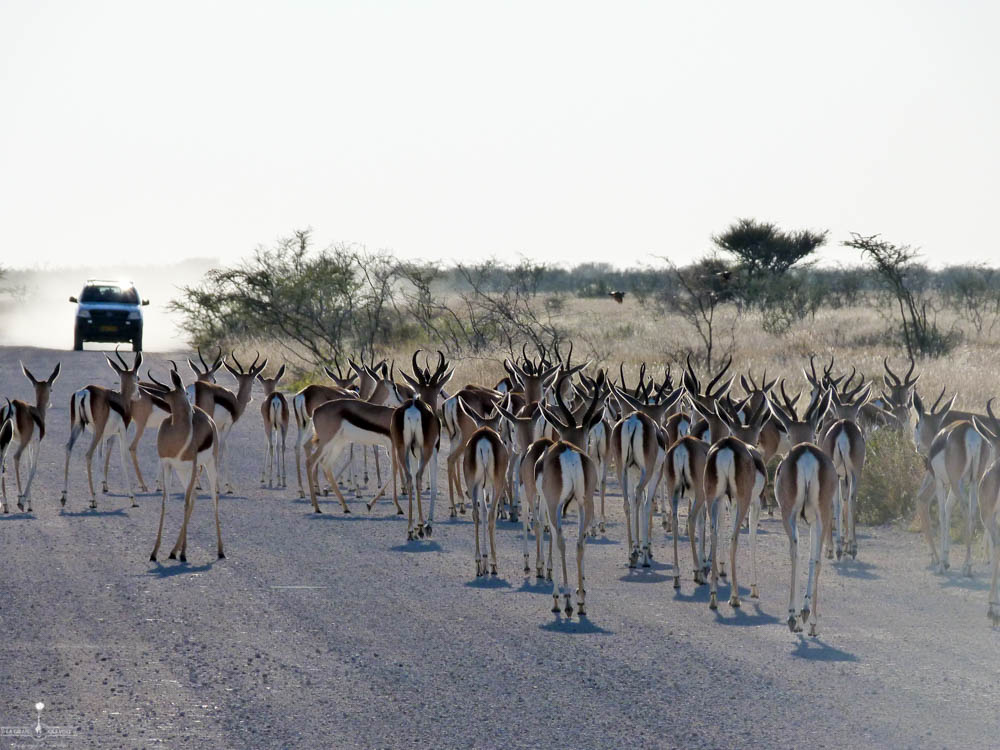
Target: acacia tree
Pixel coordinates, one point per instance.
(763, 250)
(897, 268)
(696, 293)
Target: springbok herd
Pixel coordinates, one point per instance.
(544, 437)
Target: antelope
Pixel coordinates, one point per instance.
(186, 441)
(956, 461)
(208, 396)
(274, 413)
(6, 436)
(599, 450)
(458, 419)
(105, 413)
(637, 444)
(844, 443)
(206, 373)
(344, 422)
(685, 474)
(563, 474)
(427, 387)
(527, 451)
(989, 505)
(484, 462)
(804, 486)
(734, 470)
(708, 428)
(898, 401)
(303, 404)
(533, 377)
(28, 430)
(416, 433)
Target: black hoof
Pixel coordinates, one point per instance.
(318, 510)
(556, 610)
(428, 530)
(677, 582)
(222, 555)
(462, 511)
(347, 511)
(400, 513)
(527, 569)
(645, 565)
(184, 558)
(171, 556)
(152, 558)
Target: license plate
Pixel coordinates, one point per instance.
(109, 329)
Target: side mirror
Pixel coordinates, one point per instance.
(73, 299)
(145, 302)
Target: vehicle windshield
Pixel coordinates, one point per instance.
(110, 293)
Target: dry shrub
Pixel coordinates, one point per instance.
(892, 475)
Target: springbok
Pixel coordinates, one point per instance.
(484, 463)
(416, 433)
(27, 432)
(186, 441)
(208, 396)
(526, 452)
(304, 403)
(274, 414)
(989, 505)
(734, 469)
(844, 443)
(344, 422)
(804, 486)
(638, 446)
(206, 373)
(458, 414)
(106, 414)
(956, 461)
(563, 474)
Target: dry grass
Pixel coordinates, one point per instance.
(609, 333)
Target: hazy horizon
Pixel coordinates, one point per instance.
(565, 132)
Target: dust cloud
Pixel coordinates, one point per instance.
(35, 308)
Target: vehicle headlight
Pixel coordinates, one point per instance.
(83, 314)
(135, 315)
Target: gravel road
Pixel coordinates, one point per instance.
(332, 631)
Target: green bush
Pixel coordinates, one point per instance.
(891, 477)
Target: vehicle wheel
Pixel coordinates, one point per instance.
(137, 344)
(77, 342)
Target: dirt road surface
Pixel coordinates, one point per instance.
(332, 631)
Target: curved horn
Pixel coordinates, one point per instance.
(567, 414)
(164, 386)
(233, 354)
(894, 376)
(906, 378)
(121, 358)
(255, 359)
(941, 396)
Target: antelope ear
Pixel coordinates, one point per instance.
(138, 361)
(28, 375)
(260, 368)
(918, 402)
(112, 365)
(280, 374)
(232, 371)
(550, 417)
(194, 368)
(55, 373)
(597, 417)
(409, 381)
(445, 378)
(984, 429)
(175, 378)
(864, 397)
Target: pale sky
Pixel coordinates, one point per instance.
(566, 132)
